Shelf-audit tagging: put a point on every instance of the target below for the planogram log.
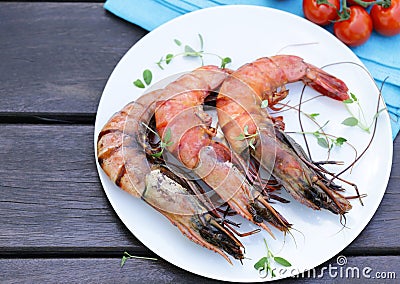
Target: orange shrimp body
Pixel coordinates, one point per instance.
(191, 141)
(183, 114)
(239, 111)
(122, 156)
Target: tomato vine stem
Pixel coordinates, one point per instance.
(365, 4)
(344, 13)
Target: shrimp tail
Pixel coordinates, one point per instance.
(325, 83)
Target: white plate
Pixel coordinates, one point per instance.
(245, 33)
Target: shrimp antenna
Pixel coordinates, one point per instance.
(336, 176)
(343, 224)
(301, 123)
(295, 45)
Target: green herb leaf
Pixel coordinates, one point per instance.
(177, 42)
(168, 144)
(147, 76)
(225, 61)
(323, 143)
(159, 63)
(350, 121)
(168, 58)
(265, 262)
(262, 263)
(246, 130)
(138, 83)
(159, 154)
(353, 96)
(240, 137)
(201, 42)
(164, 143)
(190, 51)
(314, 115)
(264, 104)
(282, 261)
(167, 135)
(340, 140)
(316, 134)
(348, 101)
(123, 260)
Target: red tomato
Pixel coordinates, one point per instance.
(386, 20)
(357, 29)
(321, 14)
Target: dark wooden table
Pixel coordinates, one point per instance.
(56, 224)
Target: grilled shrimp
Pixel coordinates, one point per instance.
(122, 157)
(181, 114)
(239, 111)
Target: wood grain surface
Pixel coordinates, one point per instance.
(56, 224)
(52, 197)
(57, 57)
(359, 269)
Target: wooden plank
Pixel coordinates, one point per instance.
(50, 192)
(57, 57)
(106, 270)
(385, 225)
(51, 197)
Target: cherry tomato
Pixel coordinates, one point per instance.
(321, 14)
(386, 21)
(355, 30)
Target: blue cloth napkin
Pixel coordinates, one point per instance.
(381, 55)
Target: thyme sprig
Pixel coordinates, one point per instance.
(127, 256)
(324, 139)
(265, 263)
(358, 119)
(246, 135)
(189, 51)
(163, 143)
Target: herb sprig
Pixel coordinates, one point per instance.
(324, 139)
(265, 263)
(127, 256)
(359, 118)
(246, 135)
(328, 141)
(163, 143)
(147, 77)
(189, 51)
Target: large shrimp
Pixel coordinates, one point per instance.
(122, 156)
(239, 110)
(191, 142)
